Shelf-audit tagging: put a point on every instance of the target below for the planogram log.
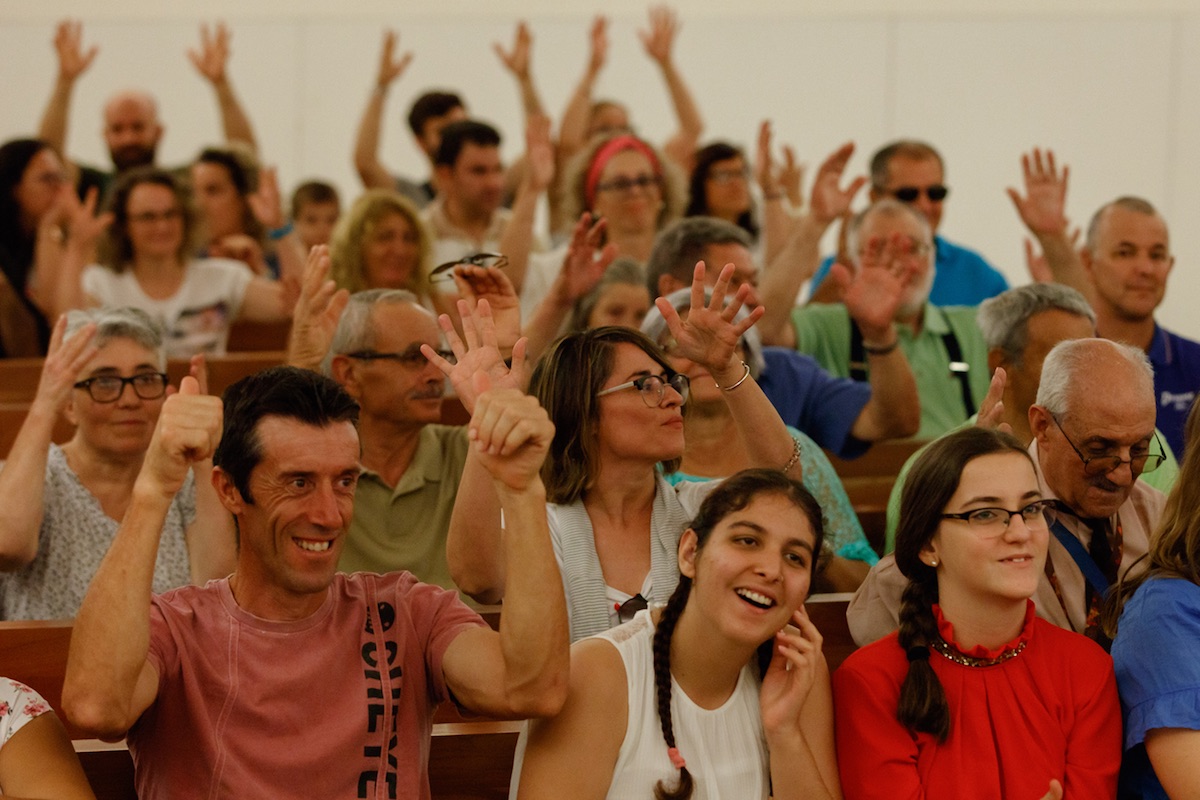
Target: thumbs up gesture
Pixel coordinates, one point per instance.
(189, 427)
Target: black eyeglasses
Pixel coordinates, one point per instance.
(412, 358)
(1139, 463)
(993, 520)
(909, 194)
(653, 388)
(629, 609)
(626, 185)
(442, 272)
(108, 388)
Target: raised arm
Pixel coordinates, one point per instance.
(23, 478)
(522, 670)
(517, 240)
(1043, 210)
(517, 61)
(73, 61)
(110, 680)
(573, 127)
(777, 185)
(56, 285)
(366, 144)
(872, 296)
(659, 42)
(801, 252)
(317, 312)
(212, 61)
(710, 337)
(582, 267)
(474, 544)
(211, 538)
(266, 204)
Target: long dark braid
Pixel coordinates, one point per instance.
(922, 705)
(662, 685)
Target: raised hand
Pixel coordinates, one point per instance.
(317, 312)
(73, 60)
(872, 296)
(213, 56)
(786, 179)
(991, 410)
(586, 259)
(794, 667)
(710, 336)
(477, 351)
(391, 67)
(266, 202)
(511, 433)
(475, 283)
(84, 225)
(539, 153)
(1043, 208)
(598, 37)
(517, 59)
(829, 200)
(64, 361)
(241, 247)
(660, 39)
(188, 429)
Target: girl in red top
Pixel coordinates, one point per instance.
(975, 696)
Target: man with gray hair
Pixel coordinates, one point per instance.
(840, 414)
(411, 464)
(1093, 438)
(914, 173)
(943, 345)
(1122, 269)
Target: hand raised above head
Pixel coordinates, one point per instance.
(598, 39)
(73, 60)
(511, 433)
(477, 351)
(1043, 208)
(659, 40)
(212, 58)
(829, 200)
(517, 59)
(64, 361)
(710, 336)
(391, 67)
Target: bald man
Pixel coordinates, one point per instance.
(132, 130)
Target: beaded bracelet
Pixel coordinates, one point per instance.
(795, 455)
(740, 381)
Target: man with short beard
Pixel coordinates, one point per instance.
(943, 345)
(132, 130)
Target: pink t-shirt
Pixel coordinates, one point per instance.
(336, 705)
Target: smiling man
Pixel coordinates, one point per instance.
(288, 677)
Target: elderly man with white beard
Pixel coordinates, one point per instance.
(943, 345)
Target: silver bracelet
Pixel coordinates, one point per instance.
(741, 380)
(795, 456)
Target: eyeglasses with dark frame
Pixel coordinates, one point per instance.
(412, 358)
(993, 520)
(909, 194)
(653, 388)
(625, 185)
(109, 388)
(442, 272)
(1139, 464)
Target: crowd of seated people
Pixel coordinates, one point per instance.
(640, 479)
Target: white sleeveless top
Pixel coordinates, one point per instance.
(725, 748)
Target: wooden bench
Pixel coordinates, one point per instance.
(869, 480)
(469, 759)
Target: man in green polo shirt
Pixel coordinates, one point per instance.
(943, 345)
(411, 465)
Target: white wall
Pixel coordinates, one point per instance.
(1107, 84)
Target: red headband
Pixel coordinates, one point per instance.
(617, 144)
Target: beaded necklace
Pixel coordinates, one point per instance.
(952, 653)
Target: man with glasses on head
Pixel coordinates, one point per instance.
(1093, 439)
(913, 172)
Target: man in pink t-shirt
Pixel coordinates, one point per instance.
(287, 678)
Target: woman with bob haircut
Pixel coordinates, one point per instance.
(146, 262)
(723, 692)
(381, 243)
(1155, 645)
(975, 696)
(617, 407)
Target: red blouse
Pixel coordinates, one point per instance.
(1049, 712)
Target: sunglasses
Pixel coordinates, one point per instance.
(909, 194)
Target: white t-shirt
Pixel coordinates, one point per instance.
(196, 318)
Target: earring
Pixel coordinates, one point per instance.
(933, 562)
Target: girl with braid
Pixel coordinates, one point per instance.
(975, 696)
(722, 693)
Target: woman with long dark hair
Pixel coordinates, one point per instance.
(975, 696)
(713, 694)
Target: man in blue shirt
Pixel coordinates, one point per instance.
(913, 173)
